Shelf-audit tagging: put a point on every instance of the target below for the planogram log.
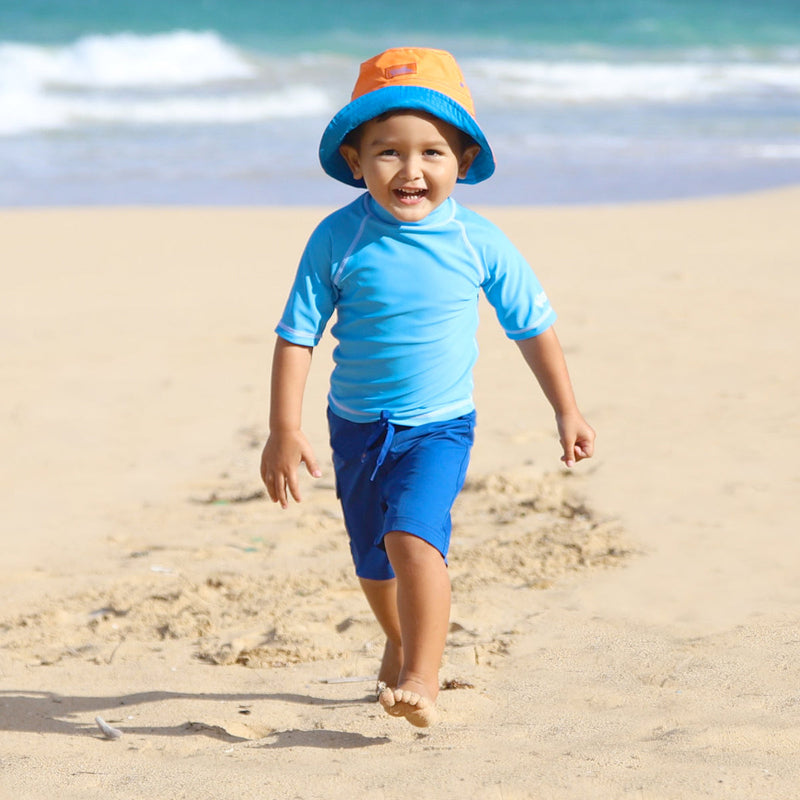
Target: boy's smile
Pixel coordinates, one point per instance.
(410, 161)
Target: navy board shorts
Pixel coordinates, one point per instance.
(398, 478)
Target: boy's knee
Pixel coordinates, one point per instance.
(401, 545)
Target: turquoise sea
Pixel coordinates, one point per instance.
(223, 101)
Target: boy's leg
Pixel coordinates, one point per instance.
(423, 606)
(382, 599)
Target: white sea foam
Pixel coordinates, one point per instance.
(181, 58)
(31, 111)
(175, 78)
(608, 82)
(783, 151)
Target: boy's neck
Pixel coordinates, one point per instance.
(441, 211)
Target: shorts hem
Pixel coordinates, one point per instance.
(385, 574)
(434, 537)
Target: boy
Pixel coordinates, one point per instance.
(403, 267)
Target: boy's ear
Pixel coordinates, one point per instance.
(350, 155)
(467, 157)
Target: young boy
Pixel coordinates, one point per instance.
(403, 267)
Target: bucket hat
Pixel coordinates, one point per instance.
(418, 78)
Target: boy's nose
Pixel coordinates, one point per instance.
(412, 168)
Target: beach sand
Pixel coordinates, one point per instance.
(625, 630)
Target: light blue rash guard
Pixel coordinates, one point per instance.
(406, 301)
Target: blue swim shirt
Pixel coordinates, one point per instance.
(406, 302)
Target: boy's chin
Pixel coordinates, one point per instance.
(405, 210)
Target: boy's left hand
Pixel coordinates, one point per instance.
(577, 438)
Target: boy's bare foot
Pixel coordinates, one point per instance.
(417, 709)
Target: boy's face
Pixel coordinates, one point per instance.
(410, 162)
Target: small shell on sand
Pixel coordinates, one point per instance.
(108, 731)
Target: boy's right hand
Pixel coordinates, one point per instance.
(282, 454)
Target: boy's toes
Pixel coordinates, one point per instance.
(389, 699)
(409, 698)
(418, 710)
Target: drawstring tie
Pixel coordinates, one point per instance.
(385, 430)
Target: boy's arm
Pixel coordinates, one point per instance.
(544, 356)
(287, 446)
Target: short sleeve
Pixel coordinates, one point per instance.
(312, 297)
(514, 291)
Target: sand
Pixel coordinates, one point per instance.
(625, 630)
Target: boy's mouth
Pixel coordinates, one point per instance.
(410, 195)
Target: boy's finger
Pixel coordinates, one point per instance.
(266, 476)
(311, 465)
(269, 482)
(569, 453)
(276, 488)
(277, 491)
(294, 488)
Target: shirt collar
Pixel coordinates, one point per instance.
(440, 214)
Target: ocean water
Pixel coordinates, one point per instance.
(224, 101)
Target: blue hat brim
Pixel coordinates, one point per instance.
(389, 98)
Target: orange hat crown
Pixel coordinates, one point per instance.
(414, 66)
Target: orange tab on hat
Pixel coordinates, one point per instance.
(415, 66)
